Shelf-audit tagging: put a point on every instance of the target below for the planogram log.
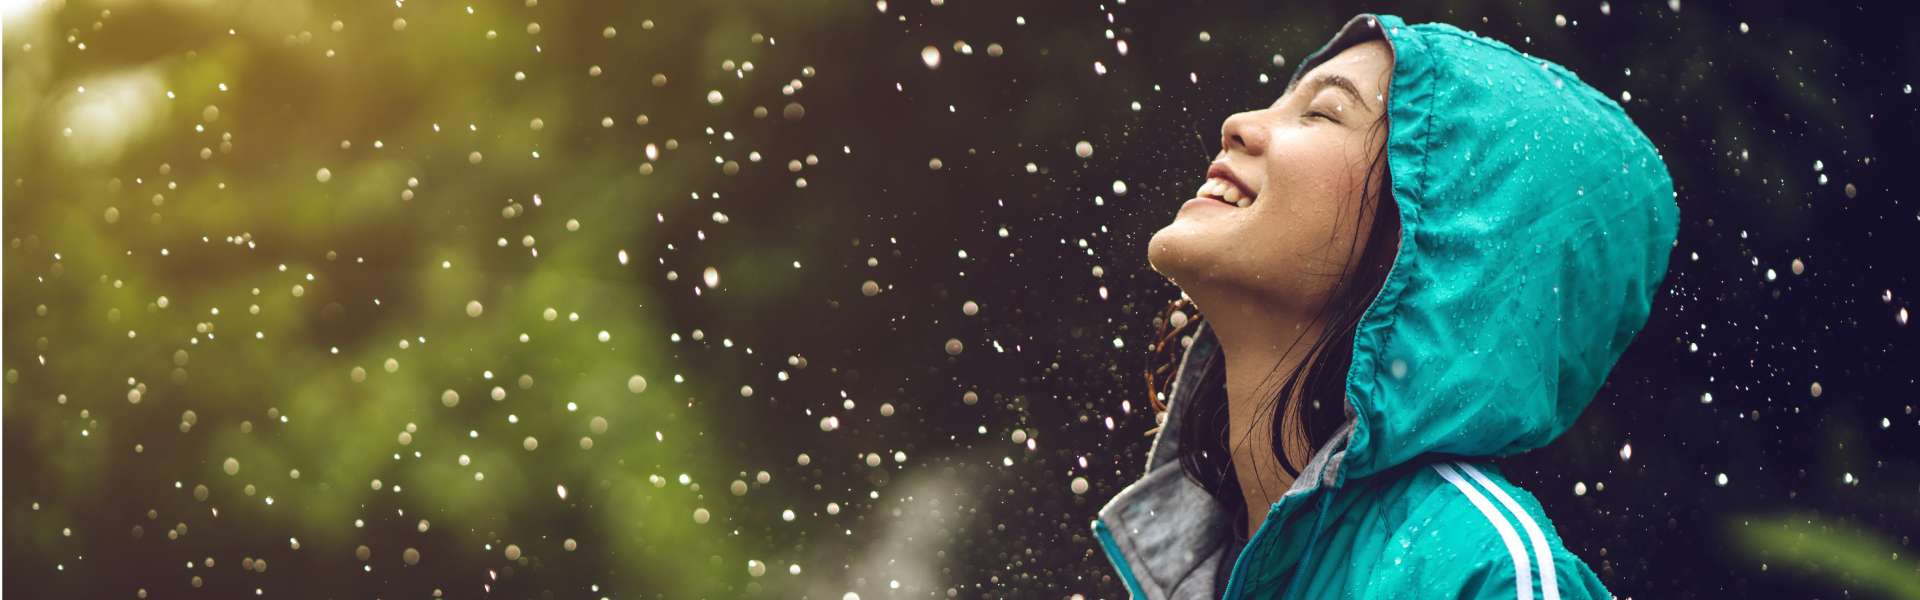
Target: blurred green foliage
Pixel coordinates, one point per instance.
(1849, 556)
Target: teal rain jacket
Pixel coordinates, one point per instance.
(1536, 222)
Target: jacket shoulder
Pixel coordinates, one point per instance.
(1459, 529)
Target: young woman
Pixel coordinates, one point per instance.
(1427, 253)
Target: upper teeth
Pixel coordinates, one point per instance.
(1225, 190)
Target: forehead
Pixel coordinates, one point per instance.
(1367, 64)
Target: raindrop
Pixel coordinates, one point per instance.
(513, 552)
(931, 56)
(1798, 267)
(970, 308)
(1079, 485)
(1579, 488)
(712, 278)
(700, 516)
(1721, 480)
(739, 488)
(450, 398)
(1626, 451)
(970, 398)
(474, 308)
(1814, 389)
(869, 288)
(232, 466)
(1120, 187)
(323, 175)
(1084, 149)
(934, 164)
(826, 424)
(531, 443)
(953, 347)
(1706, 398)
(714, 97)
(756, 568)
(411, 556)
(570, 545)
(562, 490)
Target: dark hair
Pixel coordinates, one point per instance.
(1311, 398)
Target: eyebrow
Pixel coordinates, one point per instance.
(1333, 80)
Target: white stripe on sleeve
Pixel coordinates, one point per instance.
(1522, 576)
(1549, 584)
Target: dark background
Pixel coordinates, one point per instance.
(1788, 129)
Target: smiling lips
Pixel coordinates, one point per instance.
(1223, 190)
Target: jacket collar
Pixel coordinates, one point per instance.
(1166, 535)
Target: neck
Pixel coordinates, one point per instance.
(1260, 349)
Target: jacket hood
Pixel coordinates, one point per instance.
(1536, 222)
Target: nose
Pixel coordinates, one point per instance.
(1242, 133)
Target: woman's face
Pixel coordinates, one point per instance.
(1274, 223)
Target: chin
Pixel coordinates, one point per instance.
(1178, 252)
